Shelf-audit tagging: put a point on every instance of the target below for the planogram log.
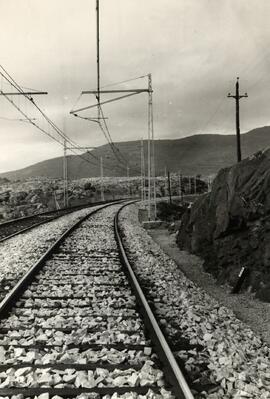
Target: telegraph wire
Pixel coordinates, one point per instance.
(30, 120)
(109, 138)
(212, 116)
(123, 81)
(120, 82)
(115, 150)
(15, 85)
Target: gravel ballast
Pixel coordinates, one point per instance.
(77, 326)
(224, 357)
(19, 253)
(246, 307)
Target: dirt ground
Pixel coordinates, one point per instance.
(248, 309)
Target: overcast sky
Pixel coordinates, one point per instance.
(194, 49)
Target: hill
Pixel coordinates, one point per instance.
(201, 154)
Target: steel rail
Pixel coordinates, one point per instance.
(10, 221)
(27, 229)
(174, 374)
(9, 301)
(54, 216)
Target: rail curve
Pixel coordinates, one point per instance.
(78, 323)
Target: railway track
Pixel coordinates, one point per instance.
(78, 324)
(14, 227)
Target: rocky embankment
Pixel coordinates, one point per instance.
(23, 198)
(230, 226)
(41, 194)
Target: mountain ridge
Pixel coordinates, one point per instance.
(202, 154)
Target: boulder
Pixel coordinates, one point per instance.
(4, 196)
(17, 197)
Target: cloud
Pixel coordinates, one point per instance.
(194, 50)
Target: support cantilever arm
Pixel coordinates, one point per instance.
(104, 102)
(116, 91)
(28, 93)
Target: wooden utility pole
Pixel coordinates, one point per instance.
(151, 127)
(237, 98)
(209, 183)
(180, 181)
(142, 173)
(128, 186)
(98, 59)
(169, 187)
(65, 168)
(179, 185)
(101, 180)
(149, 157)
(65, 176)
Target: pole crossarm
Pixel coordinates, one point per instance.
(237, 97)
(27, 93)
(102, 103)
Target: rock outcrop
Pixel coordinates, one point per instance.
(230, 226)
